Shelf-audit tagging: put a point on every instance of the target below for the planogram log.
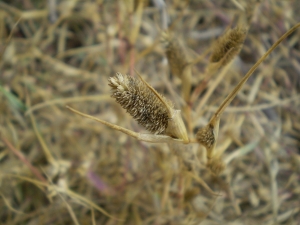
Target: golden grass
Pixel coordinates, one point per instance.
(58, 168)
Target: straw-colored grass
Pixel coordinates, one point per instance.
(59, 168)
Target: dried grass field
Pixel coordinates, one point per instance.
(237, 164)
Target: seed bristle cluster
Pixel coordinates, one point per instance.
(175, 53)
(205, 136)
(140, 102)
(228, 46)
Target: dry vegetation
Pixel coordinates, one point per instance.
(59, 168)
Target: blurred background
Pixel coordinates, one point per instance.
(59, 168)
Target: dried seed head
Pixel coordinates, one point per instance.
(176, 54)
(141, 102)
(206, 137)
(228, 46)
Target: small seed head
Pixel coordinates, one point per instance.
(228, 46)
(176, 54)
(206, 137)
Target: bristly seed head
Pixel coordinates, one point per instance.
(175, 52)
(206, 137)
(228, 45)
(140, 102)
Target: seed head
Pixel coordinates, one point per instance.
(206, 137)
(228, 46)
(176, 53)
(140, 102)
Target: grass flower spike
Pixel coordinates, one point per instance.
(149, 108)
(175, 52)
(141, 103)
(178, 60)
(228, 46)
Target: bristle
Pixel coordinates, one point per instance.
(175, 53)
(140, 102)
(228, 46)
